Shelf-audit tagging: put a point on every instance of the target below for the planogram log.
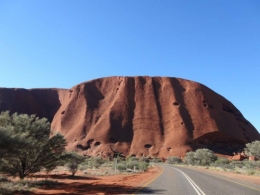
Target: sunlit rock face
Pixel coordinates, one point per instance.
(139, 116)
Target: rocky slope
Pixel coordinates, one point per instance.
(140, 116)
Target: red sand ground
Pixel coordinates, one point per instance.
(105, 185)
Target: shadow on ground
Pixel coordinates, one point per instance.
(64, 176)
(77, 188)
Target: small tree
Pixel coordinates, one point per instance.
(26, 145)
(253, 148)
(73, 160)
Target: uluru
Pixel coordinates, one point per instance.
(137, 116)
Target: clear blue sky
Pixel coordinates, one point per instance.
(60, 43)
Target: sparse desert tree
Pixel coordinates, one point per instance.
(26, 145)
(73, 160)
(253, 148)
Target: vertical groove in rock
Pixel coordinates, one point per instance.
(184, 112)
(156, 88)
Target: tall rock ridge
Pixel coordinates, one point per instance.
(43, 102)
(139, 116)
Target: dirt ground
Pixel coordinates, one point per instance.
(103, 185)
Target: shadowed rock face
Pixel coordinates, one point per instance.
(42, 102)
(140, 116)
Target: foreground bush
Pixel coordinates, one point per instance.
(26, 146)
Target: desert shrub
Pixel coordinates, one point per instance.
(95, 162)
(121, 167)
(132, 164)
(250, 172)
(11, 186)
(252, 164)
(145, 159)
(174, 160)
(220, 162)
(238, 164)
(156, 160)
(84, 165)
(253, 148)
(203, 157)
(228, 166)
(119, 159)
(23, 187)
(189, 158)
(132, 158)
(142, 166)
(73, 160)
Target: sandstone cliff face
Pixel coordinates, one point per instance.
(149, 116)
(140, 116)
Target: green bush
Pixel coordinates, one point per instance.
(253, 148)
(132, 158)
(96, 162)
(132, 164)
(239, 164)
(31, 147)
(73, 160)
(203, 157)
(250, 172)
(228, 166)
(121, 167)
(189, 158)
(23, 187)
(174, 160)
(156, 160)
(142, 166)
(220, 162)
